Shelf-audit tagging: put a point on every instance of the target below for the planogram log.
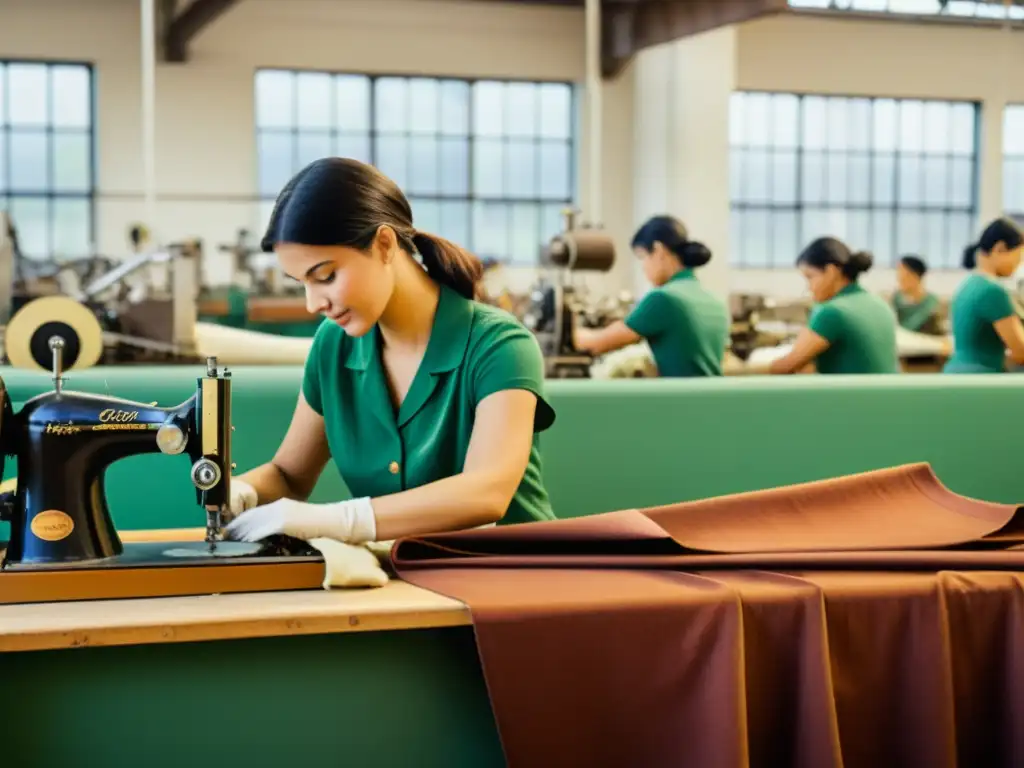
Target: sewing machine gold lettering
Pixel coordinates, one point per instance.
(62, 429)
(114, 415)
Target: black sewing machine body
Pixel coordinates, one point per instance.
(64, 442)
(65, 519)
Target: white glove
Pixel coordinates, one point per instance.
(349, 521)
(243, 497)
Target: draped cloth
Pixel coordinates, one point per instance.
(871, 620)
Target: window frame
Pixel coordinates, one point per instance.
(372, 133)
(799, 206)
(1010, 159)
(8, 193)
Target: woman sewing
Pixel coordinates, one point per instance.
(986, 327)
(686, 326)
(849, 330)
(428, 402)
(916, 309)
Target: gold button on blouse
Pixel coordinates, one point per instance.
(393, 467)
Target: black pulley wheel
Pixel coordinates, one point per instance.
(39, 345)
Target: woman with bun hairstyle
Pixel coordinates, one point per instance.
(686, 326)
(986, 328)
(850, 330)
(428, 402)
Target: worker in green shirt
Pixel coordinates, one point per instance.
(849, 330)
(986, 327)
(428, 402)
(916, 309)
(686, 326)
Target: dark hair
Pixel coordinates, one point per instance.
(1000, 230)
(340, 201)
(915, 264)
(671, 233)
(829, 250)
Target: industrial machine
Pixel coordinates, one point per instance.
(96, 308)
(557, 305)
(759, 321)
(255, 271)
(63, 542)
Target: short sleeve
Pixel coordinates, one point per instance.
(510, 358)
(311, 387)
(648, 316)
(827, 322)
(994, 304)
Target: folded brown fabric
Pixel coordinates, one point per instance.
(860, 621)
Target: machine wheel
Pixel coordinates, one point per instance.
(28, 334)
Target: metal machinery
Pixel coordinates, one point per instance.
(63, 542)
(261, 276)
(758, 321)
(557, 305)
(104, 311)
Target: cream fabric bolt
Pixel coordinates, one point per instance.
(350, 565)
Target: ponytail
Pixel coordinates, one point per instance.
(970, 258)
(449, 265)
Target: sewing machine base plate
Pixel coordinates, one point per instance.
(165, 569)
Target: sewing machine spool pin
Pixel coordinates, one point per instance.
(57, 344)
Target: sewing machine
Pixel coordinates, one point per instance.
(63, 542)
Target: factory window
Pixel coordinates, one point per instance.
(488, 164)
(47, 183)
(1013, 161)
(892, 176)
(962, 9)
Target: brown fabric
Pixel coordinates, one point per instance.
(873, 620)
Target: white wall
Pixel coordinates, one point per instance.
(206, 167)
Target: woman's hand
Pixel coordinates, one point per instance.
(351, 521)
(600, 341)
(243, 497)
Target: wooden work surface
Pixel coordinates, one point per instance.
(397, 605)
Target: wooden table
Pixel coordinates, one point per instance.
(383, 677)
(396, 606)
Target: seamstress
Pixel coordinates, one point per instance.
(428, 402)
(916, 309)
(849, 330)
(986, 327)
(686, 326)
